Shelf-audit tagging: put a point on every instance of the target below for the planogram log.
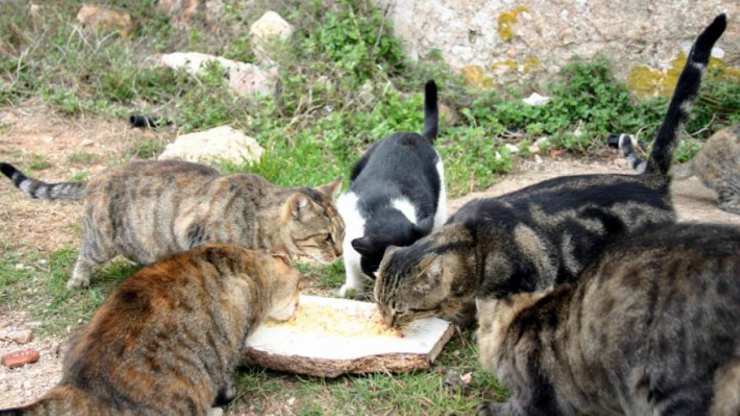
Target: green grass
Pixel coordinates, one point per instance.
(146, 149)
(83, 158)
(36, 283)
(38, 162)
(420, 392)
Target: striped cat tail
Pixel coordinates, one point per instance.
(683, 97)
(42, 190)
(431, 111)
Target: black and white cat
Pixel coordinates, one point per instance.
(396, 196)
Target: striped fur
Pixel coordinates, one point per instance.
(533, 238)
(148, 210)
(42, 190)
(686, 91)
(167, 340)
(650, 329)
(717, 165)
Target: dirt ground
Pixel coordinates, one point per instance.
(47, 226)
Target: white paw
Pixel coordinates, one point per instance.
(349, 291)
(77, 283)
(215, 411)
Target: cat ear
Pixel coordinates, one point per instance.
(363, 246)
(294, 205)
(331, 189)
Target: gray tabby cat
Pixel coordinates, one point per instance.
(148, 210)
(651, 328)
(539, 236)
(717, 165)
(168, 339)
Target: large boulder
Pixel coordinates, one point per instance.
(218, 144)
(244, 79)
(105, 19)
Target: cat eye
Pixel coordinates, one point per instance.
(329, 239)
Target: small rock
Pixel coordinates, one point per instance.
(271, 26)
(244, 78)
(534, 149)
(217, 144)
(291, 401)
(87, 142)
(181, 12)
(103, 18)
(20, 337)
(253, 80)
(537, 159)
(20, 266)
(20, 358)
(214, 12)
(466, 378)
(556, 153)
(448, 115)
(456, 382)
(536, 99)
(511, 148)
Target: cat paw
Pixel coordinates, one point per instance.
(226, 394)
(77, 283)
(350, 292)
(215, 411)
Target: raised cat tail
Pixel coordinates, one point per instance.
(684, 95)
(431, 111)
(42, 190)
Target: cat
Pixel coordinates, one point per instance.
(537, 237)
(651, 328)
(148, 210)
(396, 196)
(168, 339)
(717, 165)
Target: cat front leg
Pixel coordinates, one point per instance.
(354, 283)
(226, 394)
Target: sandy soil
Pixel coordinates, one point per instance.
(47, 226)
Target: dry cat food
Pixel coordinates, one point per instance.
(319, 318)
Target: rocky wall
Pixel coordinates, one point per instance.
(494, 42)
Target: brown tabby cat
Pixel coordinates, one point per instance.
(539, 236)
(717, 165)
(148, 210)
(651, 328)
(168, 339)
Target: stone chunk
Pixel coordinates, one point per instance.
(268, 28)
(20, 358)
(218, 144)
(103, 18)
(244, 79)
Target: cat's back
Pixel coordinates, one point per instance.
(668, 303)
(148, 174)
(402, 157)
(156, 335)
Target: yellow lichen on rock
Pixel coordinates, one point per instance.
(506, 22)
(475, 75)
(645, 81)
